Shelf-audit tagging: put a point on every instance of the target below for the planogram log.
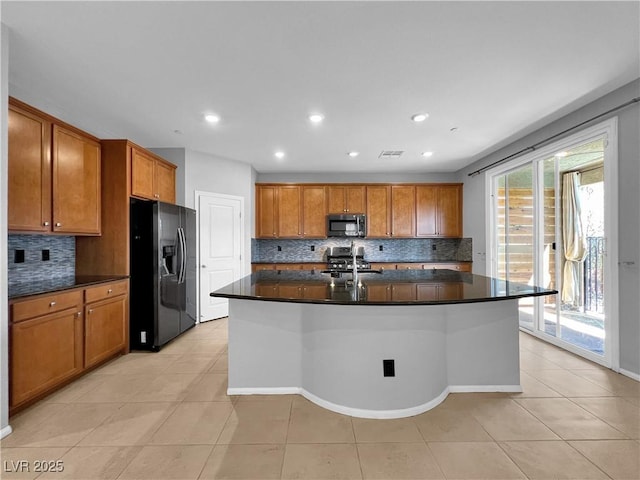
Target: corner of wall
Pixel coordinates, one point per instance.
(5, 429)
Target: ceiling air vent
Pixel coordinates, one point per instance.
(390, 154)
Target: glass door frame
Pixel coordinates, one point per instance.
(609, 130)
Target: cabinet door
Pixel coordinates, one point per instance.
(427, 292)
(292, 290)
(450, 291)
(336, 199)
(355, 199)
(404, 292)
(378, 293)
(378, 211)
(165, 181)
(76, 183)
(403, 210)
(29, 171)
(45, 351)
(426, 210)
(263, 266)
(105, 329)
(317, 292)
(142, 173)
(266, 212)
(450, 211)
(314, 216)
(289, 211)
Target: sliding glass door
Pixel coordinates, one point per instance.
(515, 234)
(550, 221)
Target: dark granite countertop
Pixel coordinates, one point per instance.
(391, 287)
(27, 289)
(372, 261)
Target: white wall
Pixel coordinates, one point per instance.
(4, 312)
(206, 173)
(475, 198)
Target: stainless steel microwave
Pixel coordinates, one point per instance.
(350, 225)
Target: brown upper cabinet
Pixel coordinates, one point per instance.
(152, 177)
(403, 211)
(290, 211)
(54, 175)
(439, 210)
(314, 207)
(378, 211)
(109, 254)
(346, 198)
(393, 211)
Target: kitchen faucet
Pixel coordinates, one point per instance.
(354, 263)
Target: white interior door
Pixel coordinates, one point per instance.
(221, 241)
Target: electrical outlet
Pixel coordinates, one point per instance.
(433, 247)
(279, 248)
(45, 255)
(381, 248)
(313, 248)
(388, 368)
(18, 256)
(143, 337)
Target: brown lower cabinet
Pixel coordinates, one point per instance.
(56, 337)
(45, 351)
(458, 266)
(105, 331)
(256, 267)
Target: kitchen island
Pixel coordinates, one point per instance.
(390, 345)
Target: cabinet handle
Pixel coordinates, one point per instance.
(46, 224)
(90, 311)
(109, 291)
(58, 224)
(52, 304)
(78, 315)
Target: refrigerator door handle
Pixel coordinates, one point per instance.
(183, 255)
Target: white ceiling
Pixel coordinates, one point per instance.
(494, 70)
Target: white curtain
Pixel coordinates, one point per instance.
(573, 240)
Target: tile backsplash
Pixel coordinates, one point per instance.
(33, 250)
(381, 250)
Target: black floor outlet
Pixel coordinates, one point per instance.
(389, 368)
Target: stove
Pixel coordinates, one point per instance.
(340, 259)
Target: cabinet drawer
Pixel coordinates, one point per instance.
(106, 290)
(48, 304)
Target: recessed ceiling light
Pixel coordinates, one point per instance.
(353, 154)
(419, 117)
(212, 118)
(279, 154)
(316, 118)
(561, 154)
(426, 154)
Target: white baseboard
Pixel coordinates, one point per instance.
(485, 388)
(375, 414)
(630, 374)
(5, 431)
(265, 391)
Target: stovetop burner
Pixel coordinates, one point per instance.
(341, 259)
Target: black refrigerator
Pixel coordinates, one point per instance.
(163, 273)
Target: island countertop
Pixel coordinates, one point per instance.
(394, 287)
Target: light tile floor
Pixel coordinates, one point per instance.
(166, 415)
